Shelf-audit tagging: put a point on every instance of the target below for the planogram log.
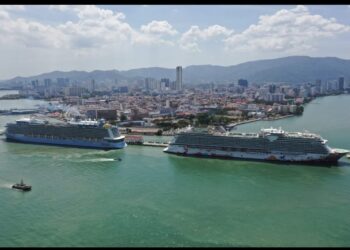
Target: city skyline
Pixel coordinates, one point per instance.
(43, 38)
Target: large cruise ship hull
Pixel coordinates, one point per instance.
(308, 158)
(66, 142)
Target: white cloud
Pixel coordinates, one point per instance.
(286, 30)
(60, 7)
(95, 28)
(189, 40)
(12, 7)
(28, 33)
(159, 27)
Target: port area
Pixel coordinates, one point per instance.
(19, 111)
(139, 140)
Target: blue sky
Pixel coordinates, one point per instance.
(42, 38)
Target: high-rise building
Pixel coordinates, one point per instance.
(150, 83)
(47, 82)
(35, 84)
(92, 86)
(272, 88)
(166, 82)
(243, 83)
(178, 78)
(275, 97)
(341, 83)
(173, 85)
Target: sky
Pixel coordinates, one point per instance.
(36, 39)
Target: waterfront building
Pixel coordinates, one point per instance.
(293, 108)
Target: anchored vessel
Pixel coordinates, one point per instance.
(269, 144)
(88, 134)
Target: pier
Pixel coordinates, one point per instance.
(138, 140)
(155, 144)
(234, 125)
(18, 111)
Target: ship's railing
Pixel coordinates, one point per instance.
(255, 135)
(304, 134)
(66, 138)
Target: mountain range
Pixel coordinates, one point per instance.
(293, 69)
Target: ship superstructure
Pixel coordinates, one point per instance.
(89, 134)
(268, 144)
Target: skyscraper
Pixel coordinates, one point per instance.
(341, 83)
(243, 83)
(92, 85)
(178, 78)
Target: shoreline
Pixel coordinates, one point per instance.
(263, 119)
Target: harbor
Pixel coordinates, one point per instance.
(139, 140)
(151, 198)
(19, 111)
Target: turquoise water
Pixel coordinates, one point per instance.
(83, 197)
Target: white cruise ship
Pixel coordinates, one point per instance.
(269, 144)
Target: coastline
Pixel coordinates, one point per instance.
(263, 119)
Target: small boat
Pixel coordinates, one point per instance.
(348, 155)
(22, 186)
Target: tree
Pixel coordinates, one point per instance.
(204, 118)
(123, 117)
(300, 110)
(159, 132)
(182, 123)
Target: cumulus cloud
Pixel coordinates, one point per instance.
(28, 33)
(287, 30)
(60, 7)
(190, 39)
(159, 27)
(96, 27)
(12, 7)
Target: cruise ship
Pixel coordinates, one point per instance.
(269, 144)
(75, 133)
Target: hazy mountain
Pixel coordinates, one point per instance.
(294, 69)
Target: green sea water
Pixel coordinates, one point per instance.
(83, 197)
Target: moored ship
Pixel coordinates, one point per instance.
(87, 134)
(268, 144)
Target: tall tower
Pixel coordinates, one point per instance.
(178, 78)
(341, 83)
(92, 85)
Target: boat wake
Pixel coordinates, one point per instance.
(98, 160)
(6, 185)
